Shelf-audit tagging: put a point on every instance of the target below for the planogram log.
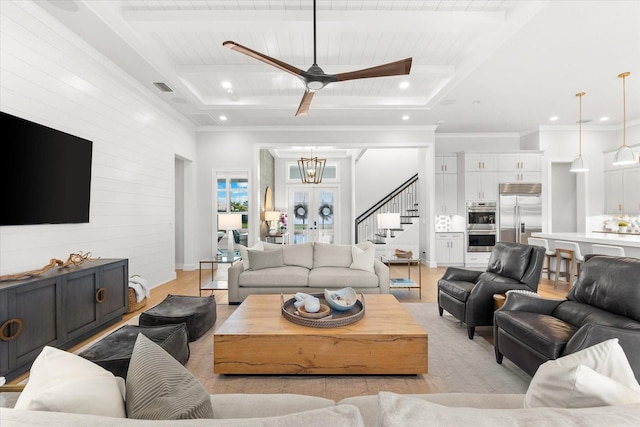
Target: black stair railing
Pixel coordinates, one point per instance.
(403, 200)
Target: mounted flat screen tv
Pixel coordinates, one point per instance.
(45, 174)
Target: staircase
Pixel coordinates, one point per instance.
(403, 200)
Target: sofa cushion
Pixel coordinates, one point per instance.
(363, 259)
(610, 283)
(329, 255)
(64, 382)
(300, 255)
(160, 388)
(596, 376)
(259, 260)
(244, 254)
(509, 261)
(546, 334)
(337, 277)
(289, 276)
(397, 410)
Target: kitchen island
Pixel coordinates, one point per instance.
(630, 242)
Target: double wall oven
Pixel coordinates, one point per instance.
(481, 226)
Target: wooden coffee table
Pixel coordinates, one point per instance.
(257, 339)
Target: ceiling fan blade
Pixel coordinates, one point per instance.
(391, 69)
(305, 103)
(264, 58)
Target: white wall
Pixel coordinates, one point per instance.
(455, 142)
(52, 77)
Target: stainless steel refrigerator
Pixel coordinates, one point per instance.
(520, 212)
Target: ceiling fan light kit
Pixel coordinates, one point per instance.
(624, 155)
(315, 78)
(579, 164)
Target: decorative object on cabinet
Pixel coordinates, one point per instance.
(74, 259)
(624, 155)
(229, 222)
(579, 164)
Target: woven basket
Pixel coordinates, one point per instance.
(134, 305)
(403, 254)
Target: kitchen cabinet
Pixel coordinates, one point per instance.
(59, 308)
(446, 184)
(523, 176)
(519, 162)
(449, 249)
(446, 163)
(479, 162)
(621, 191)
(481, 186)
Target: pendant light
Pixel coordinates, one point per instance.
(579, 164)
(311, 169)
(624, 155)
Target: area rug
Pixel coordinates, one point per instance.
(456, 364)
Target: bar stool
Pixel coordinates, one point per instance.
(567, 253)
(548, 254)
(607, 250)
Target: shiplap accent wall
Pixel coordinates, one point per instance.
(52, 77)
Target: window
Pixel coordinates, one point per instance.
(233, 196)
(330, 172)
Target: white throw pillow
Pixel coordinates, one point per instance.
(559, 383)
(244, 253)
(63, 382)
(363, 259)
(395, 410)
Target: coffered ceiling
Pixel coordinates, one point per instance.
(478, 65)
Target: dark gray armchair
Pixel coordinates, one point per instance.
(468, 294)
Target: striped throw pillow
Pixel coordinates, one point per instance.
(160, 388)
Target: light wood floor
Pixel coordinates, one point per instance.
(186, 283)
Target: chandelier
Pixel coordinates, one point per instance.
(311, 169)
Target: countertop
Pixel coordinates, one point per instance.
(615, 239)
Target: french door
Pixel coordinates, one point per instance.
(313, 213)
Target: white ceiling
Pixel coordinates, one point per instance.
(478, 65)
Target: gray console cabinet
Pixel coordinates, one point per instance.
(59, 308)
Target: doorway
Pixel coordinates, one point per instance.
(313, 213)
(232, 196)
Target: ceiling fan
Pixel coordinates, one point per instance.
(314, 78)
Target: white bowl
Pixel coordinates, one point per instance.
(341, 299)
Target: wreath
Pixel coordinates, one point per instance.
(300, 211)
(325, 212)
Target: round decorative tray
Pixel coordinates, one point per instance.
(323, 312)
(334, 320)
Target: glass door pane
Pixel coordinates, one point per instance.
(312, 214)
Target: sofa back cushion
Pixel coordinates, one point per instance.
(509, 259)
(265, 259)
(329, 255)
(610, 283)
(300, 255)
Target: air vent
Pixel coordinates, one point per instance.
(162, 86)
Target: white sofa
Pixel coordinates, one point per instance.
(309, 268)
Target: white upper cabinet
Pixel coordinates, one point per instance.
(519, 162)
(447, 163)
(480, 162)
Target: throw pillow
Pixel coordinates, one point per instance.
(259, 260)
(64, 382)
(558, 383)
(160, 388)
(397, 410)
(244, 254)
(363, 260)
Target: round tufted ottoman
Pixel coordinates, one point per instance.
(199, 313)
(113, 352)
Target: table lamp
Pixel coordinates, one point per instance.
(388, 221)
(229, 222)
(272, 217)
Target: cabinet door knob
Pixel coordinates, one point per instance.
(101, 295)
(7, 326)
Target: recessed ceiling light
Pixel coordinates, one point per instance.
(226, 85)
(223, 118)
(405, 117)
(230, 91)
(553, 118)
(404, 85)
(604, 119)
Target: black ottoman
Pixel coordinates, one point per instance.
(113, 352)
(199, 313)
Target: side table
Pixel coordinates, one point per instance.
(404, 282)
(215, 285)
